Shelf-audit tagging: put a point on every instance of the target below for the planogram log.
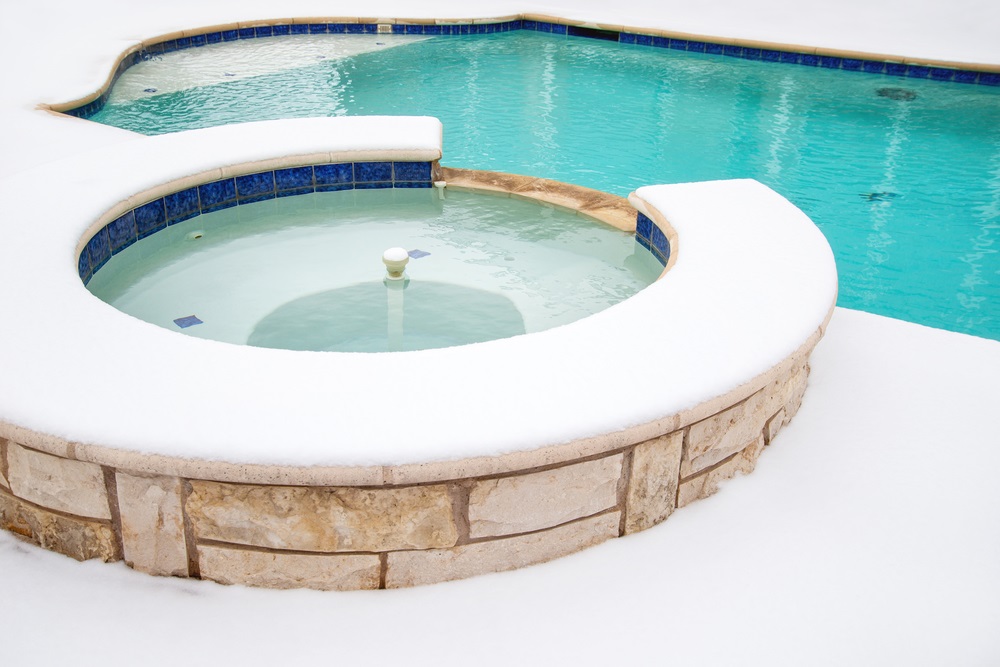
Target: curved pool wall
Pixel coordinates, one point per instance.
(872, 63)
(184, 457)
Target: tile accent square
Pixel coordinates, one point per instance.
(182, 205)
(829, 63)
(873, 66)
(411, 171)
(334, 174)
(895, 69)
(942, 74)
(187, 321)
(247, 33)
(150, 218)
(850, 64)
(299, 29)
(918, 71)
(964, 76)
(372, 172)
(279, 30)
(255, 187)
(122, 232)
(643, 226)
(217, 195)
(298, 179)
(99, 249)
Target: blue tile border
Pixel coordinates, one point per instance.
(932, 72)
(156, 215)
(652, 238)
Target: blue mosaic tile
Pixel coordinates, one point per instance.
(280, 30)
(169, 46)
(213, 37)
(660, 243)
(334, 174)
(829, 62)
(299, 29)
(154, 49)
(122, 232)
(626, 38)
(770, 56)
(942, 74)
(83, 266)
(198, 40)
(183, 43)
(187, 321)
(150, 218)
(964, 76)
(99, 250)
(917, 71)
(372, 172)
(336, 28)
(529, 25)
(411, 185)
(432, 30)
(247, 33)
(643, 226)
(371, 28)
(411, 171)
(230, 35)
(850, 64)
(787, 57)
(299, 179)
(873, 66)
(517, 25)
(217, 195)
(809, 60)
(255, 187)
(731, 50)
(751, 54)
(317, 29)
(644, 40)
(895, 69)
(989, 78)
(263, 31)
(414, 29)
(558, 29)
(661, 42)
(355, 28)
(373, 186)
(703, 47)
(182, 205)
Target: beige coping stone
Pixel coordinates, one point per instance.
(3, 464)
(152, 524)
(773, 426)
(707, 483)
(74, 487)
(79, 538)
(324, 519)
(652, 490)
(524, 503)
(719, 436)
(414, 568)
(348, 572)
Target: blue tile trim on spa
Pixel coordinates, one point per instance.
(652, 238)
(638, 39)
(156, 215)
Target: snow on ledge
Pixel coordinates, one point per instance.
(754, 278)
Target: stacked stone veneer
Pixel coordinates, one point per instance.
(298, 534)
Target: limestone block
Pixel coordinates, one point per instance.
(652, 490)
(721, 435)
(152, 524)
(284, 570)
(414, 568)
(520, 504)
(325, 519)
(773, 426)
(3, 465)
(706, 484)
(74, 487)
(78, 538)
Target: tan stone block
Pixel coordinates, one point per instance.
(3, 465)
(706, 484)
(713, 439)
(74, 487)
(520, 504)
(324, 572)
(152, 524)
(774, 425)
(652, 489)
(414, 568)
(78, 538)
(324, 519)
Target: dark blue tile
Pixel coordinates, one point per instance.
(371, 28)
(873, 66)
(263, 31)
(150, 218)
(660, 243)
(213, 37)
(643, 226)
(372, 172)
(942, 74)
(183, 43)
(517, 25)
(411, 184)
(809, 60)
(917, 71)
(732, 50)
(706, 47)
(989, 78)
(355, 28)
(255, 187)
(544, 26)
(198, 40)
(334, 187)
(829, 62)
(414, 29)
(295, 178)
(230, 35)
(154, 49)
(334, 174)
(751, 54)
(398, 29)
(661, 42)
(432, 30)
(770, 56)
(300, 29)
(169, 46)
(789, 57)
(182, 205)
(247, 33)
(529, 25)
(850, 64)
(336, 28)
(83, 266)
(122, 232)
(411, 171)
(217, 195)
(99, 250)
(895, 69)
(679, 44)
(644, 40)
(373, 186)
(558, 29)
(626, 38)
(187, 321)
(279, 30)
(965, 76)
(317, 29)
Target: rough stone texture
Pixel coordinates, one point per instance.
(773, 426)
(152, 524)
(512, 505)
(276, 570)
(78, 538)
(3, 465)
(68, 486)
(730, 431)
(652, 491)
(324, 519)
(414, 568)
(705, 485)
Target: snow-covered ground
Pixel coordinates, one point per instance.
(869, 534)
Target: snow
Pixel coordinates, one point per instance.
(866, 535)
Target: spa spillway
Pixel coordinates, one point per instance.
(122, 440)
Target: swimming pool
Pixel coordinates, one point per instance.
(902, 175)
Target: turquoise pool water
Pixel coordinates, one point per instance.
(902, 175)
